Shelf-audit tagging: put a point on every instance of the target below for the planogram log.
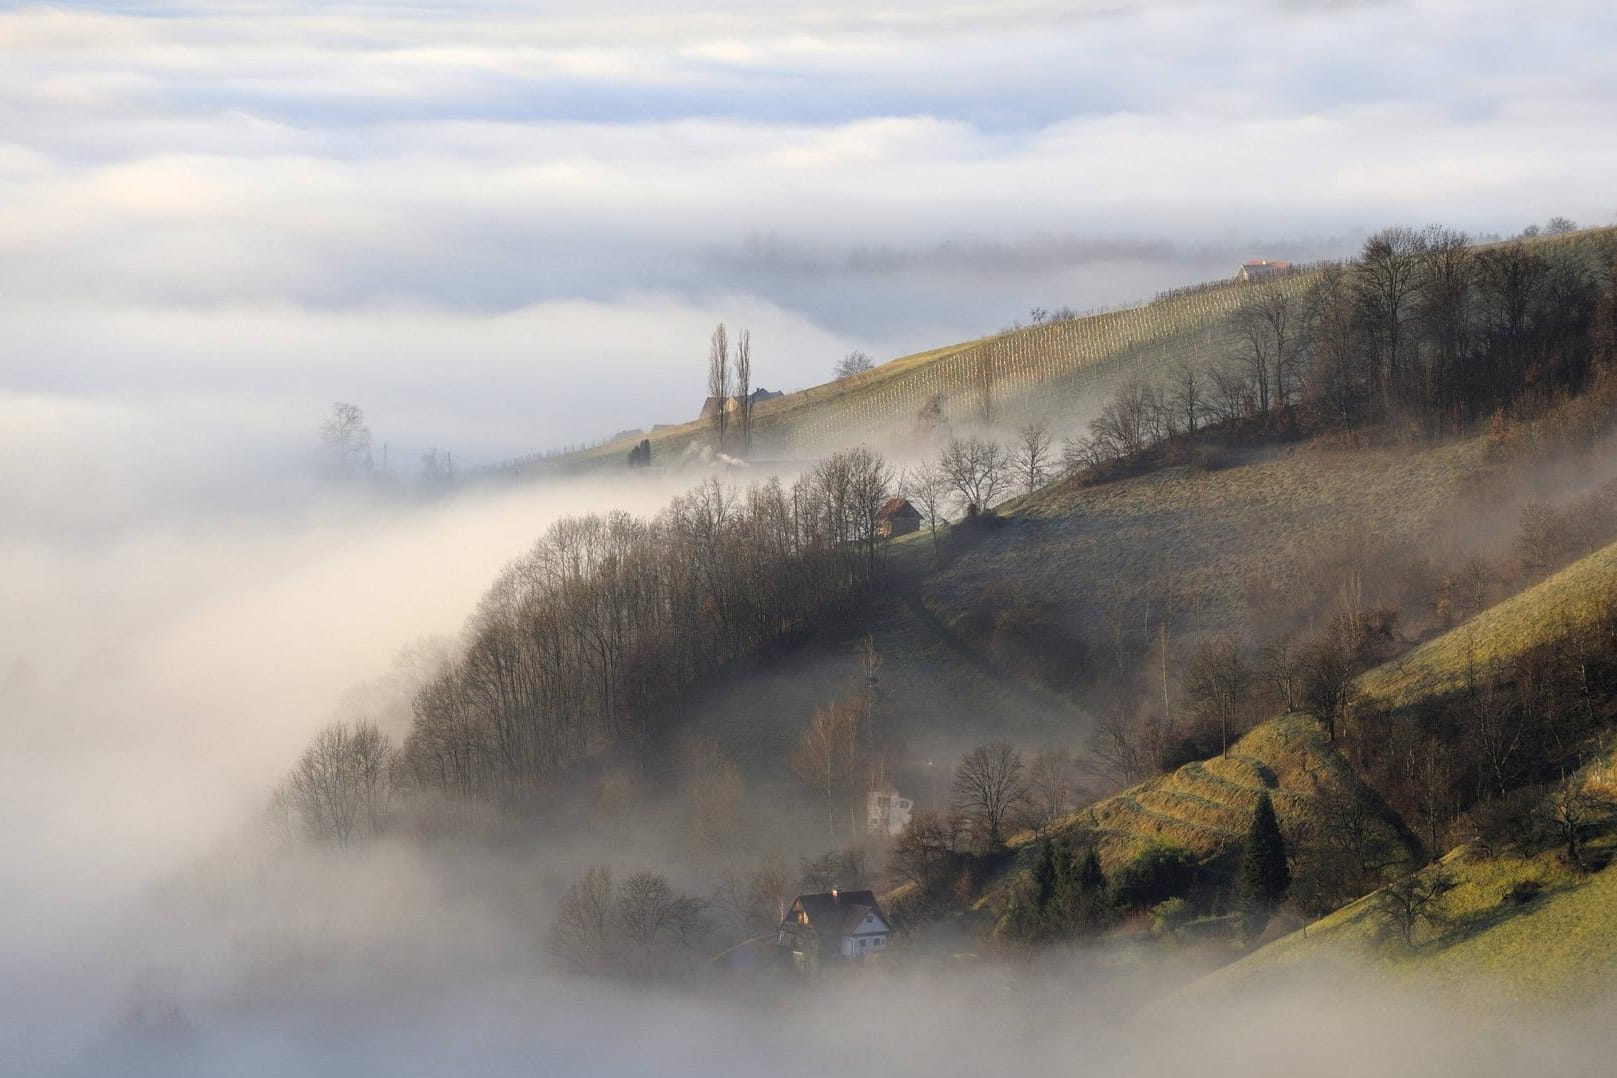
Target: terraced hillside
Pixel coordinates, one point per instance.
(1569, 599)
(1206, 806)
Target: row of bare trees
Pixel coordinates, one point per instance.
(583, 642)
(1422, 328)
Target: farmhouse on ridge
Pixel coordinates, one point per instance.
(836, 925)
(1262, 269)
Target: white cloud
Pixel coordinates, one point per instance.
(389, 160)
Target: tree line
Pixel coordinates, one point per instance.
(585, 642)
(1423, 332)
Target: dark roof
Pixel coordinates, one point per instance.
(840, 912)
(893, 508)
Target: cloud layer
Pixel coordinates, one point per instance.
(443, 211)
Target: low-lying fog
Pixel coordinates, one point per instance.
(162, 668)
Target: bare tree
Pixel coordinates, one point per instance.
(341, 786)
(1413, 900)
(649, 911)
(582, 932)
(925, 853)
(1187, 395)
(1327, 673)
(718, 383)
(977, 469)
(437, 470)
(1031, 458)
(1270, 326)
(1218, 686)
(927, 488)
(744, 389)
(1130, 423)
(1576, 810)
(855, 362)
(345, 440)
(989, 787)
(1125, 745)
(1051, 788)
(1388, 276)
(827, 757)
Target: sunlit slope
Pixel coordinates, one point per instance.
(1567, 600)
(1486, 943)
(1206, 807)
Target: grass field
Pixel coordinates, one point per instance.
(1264, 542)
(1486, 946)
(1560, 603)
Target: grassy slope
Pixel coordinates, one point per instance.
(1442, 665)
(1214, 546)
(1554, 944)
(1207, 806)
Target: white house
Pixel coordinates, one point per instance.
(841, 924)
(886, 813)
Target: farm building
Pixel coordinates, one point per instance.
(897, 517)
(1261, 270)
(847, 925)
(732, 404)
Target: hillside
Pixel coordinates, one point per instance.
(1056, 372)
(1483, 937)
(1049, 371)
(1206, 806)
(1488, 944)
(1569, 599)
(1259, 545)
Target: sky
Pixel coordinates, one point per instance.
(501, 227)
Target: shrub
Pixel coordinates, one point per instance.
(1158, 872)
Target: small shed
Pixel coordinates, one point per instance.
(897, 517)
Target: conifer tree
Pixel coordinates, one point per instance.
(1265, 875)
(1046, 876)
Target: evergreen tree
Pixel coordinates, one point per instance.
(1046, 874)
(1265, 875)
(1091, 880)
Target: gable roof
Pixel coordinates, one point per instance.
(893, 508)
(838, 912)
